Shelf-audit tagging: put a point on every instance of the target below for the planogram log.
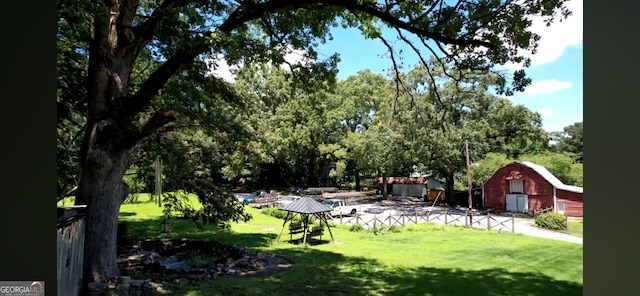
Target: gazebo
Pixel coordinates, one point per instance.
(305, 207)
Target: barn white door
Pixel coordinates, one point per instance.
(523, 203)
(512, 203)
(517, 203)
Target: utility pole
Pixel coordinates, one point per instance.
(466, 143)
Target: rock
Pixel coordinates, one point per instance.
(136, 284)
(175, 265)
(199, 270)
(124, 280)
(97, 287)
(181, 281)
(154, 267)
(123, 287)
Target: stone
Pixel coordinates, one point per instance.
(124, 280)
(175, 265)
(181, 281)
(137, 283)
(199, 270)
(97, 287)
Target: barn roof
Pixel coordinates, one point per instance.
(306, 205)
(547, 175)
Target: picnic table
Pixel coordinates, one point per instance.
(297, 227)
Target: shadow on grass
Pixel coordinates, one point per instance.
(140, 230)
(319, 272)
(126, 214)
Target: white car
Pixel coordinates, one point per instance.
(342, 207)
(285, 200)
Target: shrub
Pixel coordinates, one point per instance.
(395, 229)
(356, 228)
(274, 212)
(378, 229)
(551, 220)
(280, 214)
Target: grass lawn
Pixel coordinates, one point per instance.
(575, 228)
(420, 260)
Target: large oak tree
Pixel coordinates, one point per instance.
(121, 110)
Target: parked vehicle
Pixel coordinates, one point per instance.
(297, 190)
(285, 200)
(253, 196)
(341, 207)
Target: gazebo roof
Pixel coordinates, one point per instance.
(306, 205)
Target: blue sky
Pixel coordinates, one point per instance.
(556, 70)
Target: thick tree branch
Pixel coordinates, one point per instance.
(146, 31)
(126, 14)
(158, 120)
(253, 11)
(156, 81)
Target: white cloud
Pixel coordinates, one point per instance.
(555, 39)
(546, 87)
(220, 68)
(545, 111)
(223, 70)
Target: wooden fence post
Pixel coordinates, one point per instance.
(416, 214)
(374, 221)
(446, 213)
(428, 213)
(341, 219)
(513, 223)
(402, 215)
(389, 219)
(488, 221)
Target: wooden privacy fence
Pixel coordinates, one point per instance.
(70, 249)
(490, 222)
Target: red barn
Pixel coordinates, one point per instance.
(523, 186)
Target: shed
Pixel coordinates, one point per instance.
(524, 186)
(411, 186)
(306, 206)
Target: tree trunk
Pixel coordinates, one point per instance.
(110, 133)
(357, 175)
(448, 187)
(385, 194)
(101, 189)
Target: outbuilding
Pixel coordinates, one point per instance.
(524, 186)
(410, 186)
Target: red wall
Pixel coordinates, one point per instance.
(539, 191)
(572, 202)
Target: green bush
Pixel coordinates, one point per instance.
(280, 214)
(356, 228)
(551, 220)
(274, 212)
(395, 229)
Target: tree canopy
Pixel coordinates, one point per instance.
(132, 72)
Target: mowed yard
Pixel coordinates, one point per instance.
(418, 260)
